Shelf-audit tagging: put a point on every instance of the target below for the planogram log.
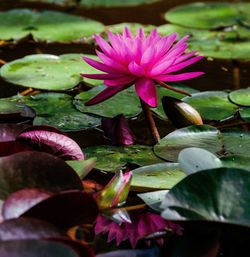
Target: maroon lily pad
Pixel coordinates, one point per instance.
(36, 170)
(66, 209)
(117, 130)
(28, 228)
(52, 142)
(39, 248)
(22, 200)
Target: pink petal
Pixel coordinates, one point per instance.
(104, 95)
(178, 77)
(106, 48)
(119, 81)
(136, 69)
(148, 56)
(184, 64)
(111, 62)
(98, 65)
(127, 33)
(161, 68)
(101, 76)
(185, 57)
(146, 90)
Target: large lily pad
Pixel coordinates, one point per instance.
(47, 72)
(193, 136)
(219, 195)
(221, 143)
(212, 105)
(46, 25)
(112, 158)
(204, 15)
(125, 102)
(57, 110)
(156, 176)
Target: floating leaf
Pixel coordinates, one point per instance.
(28, 228)
(212, 105)
(76, 206)
(204, 15)
(47, 71)
(112, 158)
(82, 167)
(156, 176)
(57, 110)
(46, 25)
(241, 97)
(195, 159)
(111, 107)
(203, 136)
(236, 161)
(21, 170)
(154, 199)
(220, 195)
(52, 142)
(22, 200)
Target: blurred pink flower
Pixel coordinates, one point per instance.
(140, 60)
(142, 225)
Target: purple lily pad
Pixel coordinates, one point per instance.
(36, 170)
(39, 248)
(22, 200)
(28, 228)
(9, 132)
(66, 209)
(51, 141)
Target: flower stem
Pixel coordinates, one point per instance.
(172, 88)
(150, 120)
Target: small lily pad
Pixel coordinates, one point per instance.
(46, 71)
(56, 109)
(112, 158)
(241, 97)
(212, 105)
(156, 176)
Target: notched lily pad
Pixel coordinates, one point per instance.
(156, 176)
(47, 26)
(112, 158)
(56, 109)
(47, 71)
(212, 105)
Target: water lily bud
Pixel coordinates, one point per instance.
(180, 113)
(115, 192)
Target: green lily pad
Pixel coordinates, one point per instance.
(204, 136)
(82, 167)
(204, 15)
(47, 72)
(241, 97)
(219, 195)
(194, 159)
(111, 3)
(154, 199)
(212, 105)
(126, 102)
(156, 176)
(112, 158)
(245, 114)
(236, 161)
(207, 137)
(118, 28)
(46, 26)
(57, 110)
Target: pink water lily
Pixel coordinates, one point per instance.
(141, 60)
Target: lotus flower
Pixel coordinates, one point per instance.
(141, 60)
(142, 225)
